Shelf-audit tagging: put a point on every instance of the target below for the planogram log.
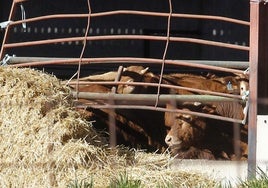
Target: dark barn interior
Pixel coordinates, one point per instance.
(130, 24)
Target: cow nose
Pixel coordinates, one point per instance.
(168, 140)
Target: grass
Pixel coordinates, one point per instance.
(259, 182)
(123, 181)
(80, 184)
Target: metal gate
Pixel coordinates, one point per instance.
(83, 35)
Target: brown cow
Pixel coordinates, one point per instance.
(190, 136)
(129, 74)
(144, 128)
(136, 128)
(211, 82)
(188, 131)
(185, 134)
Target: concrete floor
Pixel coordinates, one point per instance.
(228, 172)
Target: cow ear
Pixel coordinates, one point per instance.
(142, 72)
(241, 76)
(210, 76)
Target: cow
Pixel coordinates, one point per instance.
(140, 128)
(129, 74)
(135, 128)
(186, 132)
(189, 131)
(191, 136)
(210, 82)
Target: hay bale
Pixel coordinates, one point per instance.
(45, 143)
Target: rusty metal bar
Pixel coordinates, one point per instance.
(138, 101)
(84, 43)
(127, 37)
(253, 82)
(165, 51)
(129, 60)
(133, 12)
(225, 64)
(111, 101)
(163, 86)
(117, 79)
(258, 76)
(217, 117)
(252, 129)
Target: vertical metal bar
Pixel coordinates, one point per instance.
(237, 138)
(112, 122)
(258, 75)
(117, 79)
(253, 60)
(165, 51)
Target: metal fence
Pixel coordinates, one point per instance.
(39, 34)
(164, 34)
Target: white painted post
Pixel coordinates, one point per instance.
(262, 143)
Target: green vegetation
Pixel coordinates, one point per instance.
(260, 182)
(80, 184)
(125, 182)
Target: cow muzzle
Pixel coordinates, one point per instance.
(171, 141)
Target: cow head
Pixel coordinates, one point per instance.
(244, 87)
(131, 74)
(128, 75)
(184, 130)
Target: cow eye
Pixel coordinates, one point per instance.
(168, 128)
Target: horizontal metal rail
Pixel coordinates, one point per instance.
(149, 99)
(161, 85)
(128, 60)
(226, 64)
(139, 101)
(127, 37)
(133, 12)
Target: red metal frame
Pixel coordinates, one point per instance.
(258, 75)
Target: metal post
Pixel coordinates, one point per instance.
(258, 75)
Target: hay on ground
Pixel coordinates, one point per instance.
(44, 142)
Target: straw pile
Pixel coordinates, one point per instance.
(45, 143)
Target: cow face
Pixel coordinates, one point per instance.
(243, 83)
(184, 130)
(244, 87)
